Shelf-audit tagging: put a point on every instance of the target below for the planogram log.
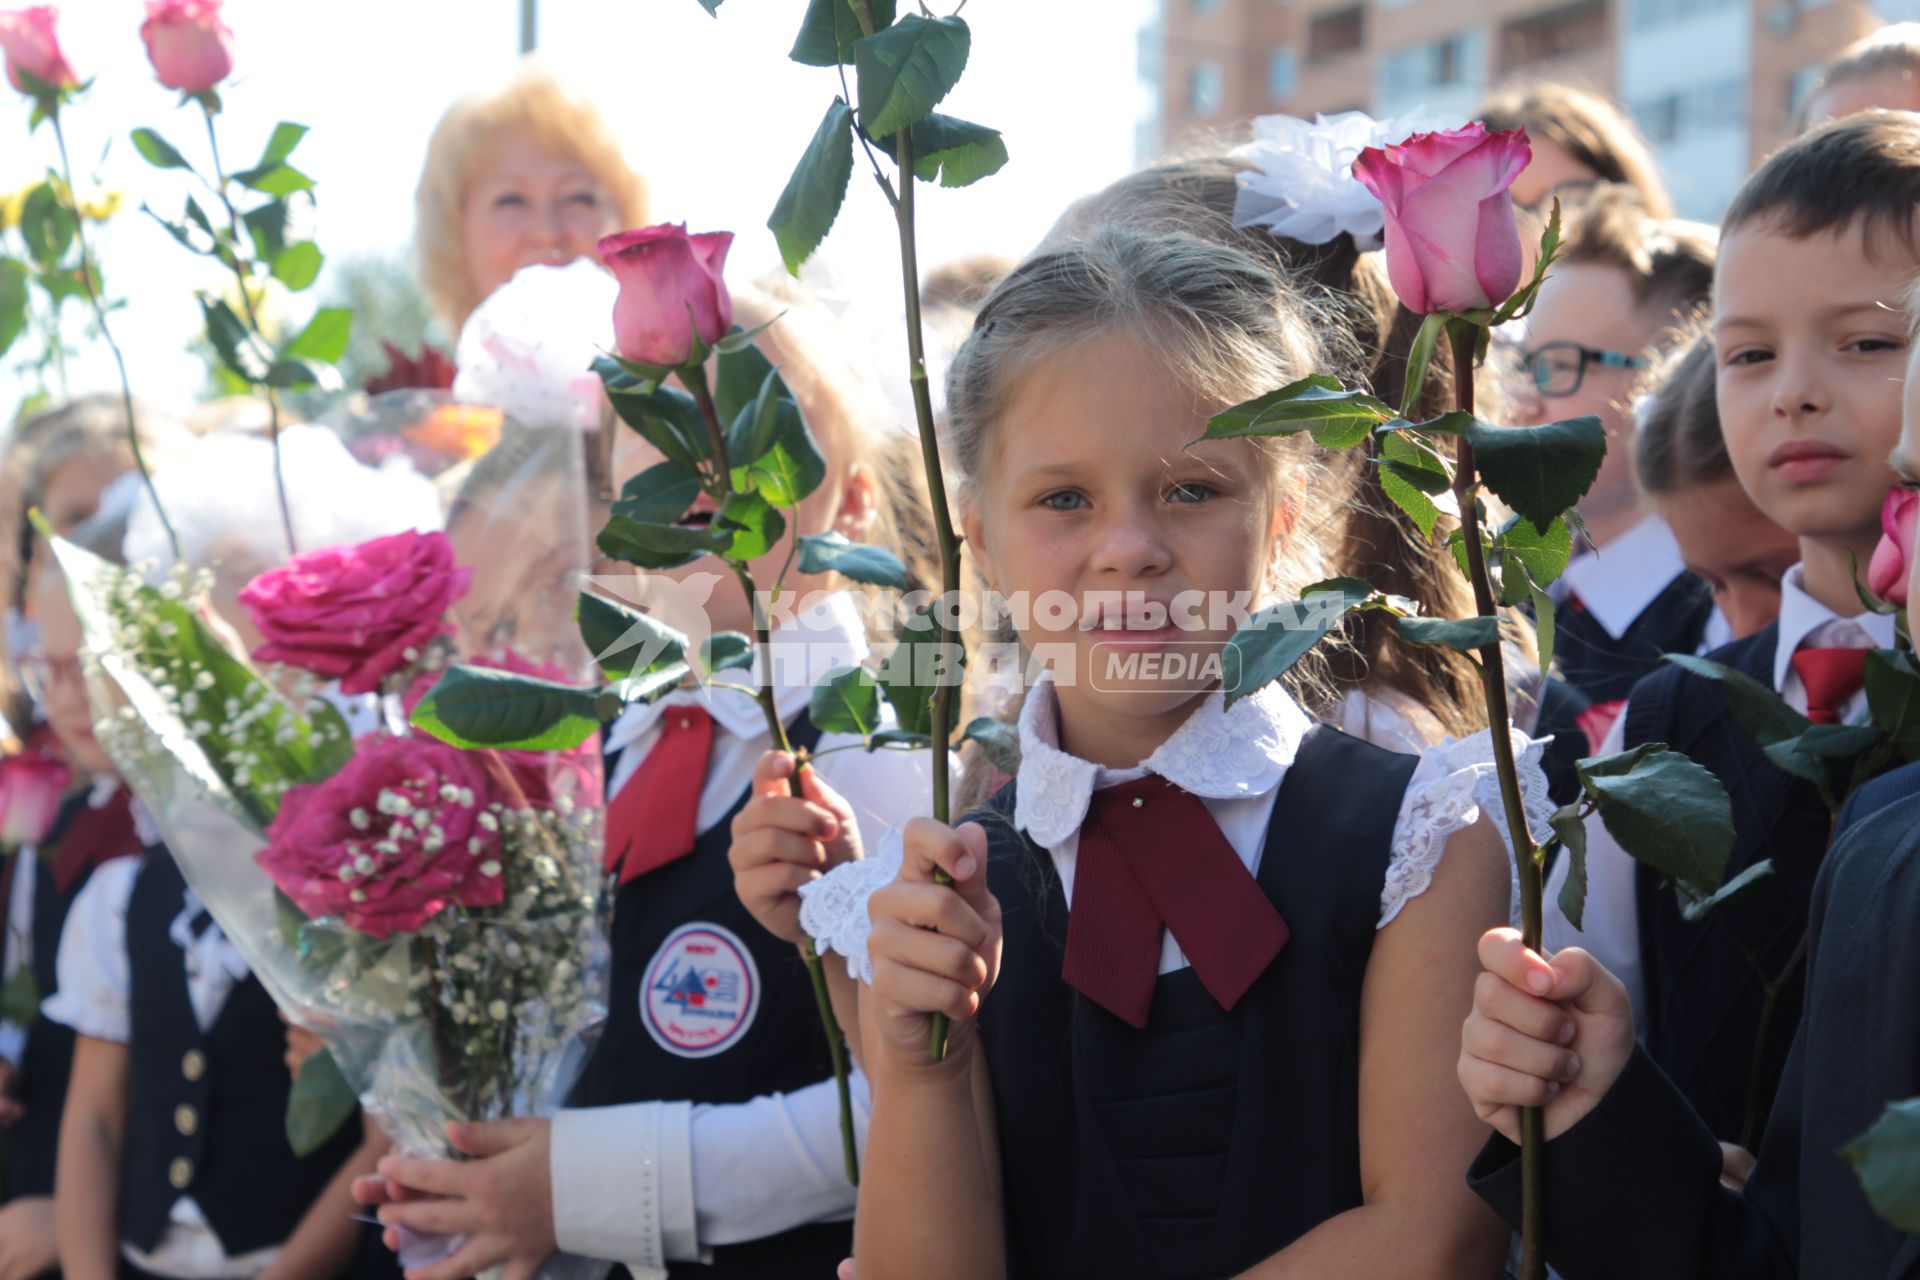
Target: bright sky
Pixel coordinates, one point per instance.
(710, 110)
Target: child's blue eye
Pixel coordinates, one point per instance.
(1191, 493)
(1750, 356)
(1874, 346)
(1064, 500)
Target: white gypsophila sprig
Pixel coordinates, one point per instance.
(1299, 181)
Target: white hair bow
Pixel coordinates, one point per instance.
(1301, 184)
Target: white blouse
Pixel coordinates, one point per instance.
(1233, 759)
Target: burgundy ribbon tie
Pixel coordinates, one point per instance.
(652, 820)
(1151, 858)
(1831, 678)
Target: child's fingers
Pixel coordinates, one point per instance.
(481, 1139)
(772, 882)
(973, 888)
(771, 773)
(470, 1259)
(1504, 955)
(758, 848)
(928, 952)
(1498, 999)
(786, 813)
(1501, 1045)
(435, 1217)
(369, 1188)
(915, 991)
(1586, 984)
(435, 1177)
(928, 907)
(815, 788)
(929, 846)
(1493, 1087)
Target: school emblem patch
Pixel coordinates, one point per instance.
(701, 991)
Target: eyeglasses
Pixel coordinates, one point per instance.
(1558, 368)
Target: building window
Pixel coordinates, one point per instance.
(1409, 76)
(1658, 13)
(1283, 68)
(1336, 31)
(1676, 116)
(1204, 7)
(1205, 89)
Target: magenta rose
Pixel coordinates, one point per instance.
(1887, 571)
(536, 778)
(399, 834)
(357, 613)
(1452, 242)
(31, 788)
(671, 286)
(190, 48)
(31, 43)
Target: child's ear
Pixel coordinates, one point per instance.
(973, 532)
(859, 503)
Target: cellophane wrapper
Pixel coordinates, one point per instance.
(481, 1012)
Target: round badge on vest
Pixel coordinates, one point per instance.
(700, 992)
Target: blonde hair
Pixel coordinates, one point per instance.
(1587, 126)
(563, 121)
(1226, 323)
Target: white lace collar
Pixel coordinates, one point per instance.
(828, 634)
(1218, 752)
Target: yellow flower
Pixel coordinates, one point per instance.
(103, 206)
(11, 203)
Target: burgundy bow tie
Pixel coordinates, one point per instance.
(1152, 858)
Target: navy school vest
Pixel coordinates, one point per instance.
(47, 1060)
(1606, 669)
(706, 1006)
(1208, 1140)
(1703, 1003)
(206, 1114)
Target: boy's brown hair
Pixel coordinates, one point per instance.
(1861, 169)
(1668, 261)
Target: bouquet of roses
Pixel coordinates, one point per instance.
(435, 914)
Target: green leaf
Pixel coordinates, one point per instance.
(917, 667)
(1543, 625)
(830, 30)
(655, 684)
(1664, 810)
(1544, 554)
(1760, 711)
(20, 998)
(811, 201)
(13, 302)
(1275, 638)
(286, 136)
(753, 524)
(1887, 1160)
(751, 434)
(1464, 634)
(325, 337)
(661, 494)
(957, 152)
(711, 6)
(277, 180)
(622, 638)
(1316, 403)
(1539, 471)
(999, 742)
(1893, 695)
(157, 151)
(726, 651)
(1427, 482)
(792, 469)
(1570, 824)
(1694, 906)
(266, 227)
(46, 224)
(481, 707)
(739, 373)
(239, 350)
(666, 418)
(1419, 359)
(298, 265)
(848, 701)
(1397, 448)
(831, 552)
(659, 546)
(319, 1104)
(905, 70)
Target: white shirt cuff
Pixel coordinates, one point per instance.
(775, 1162)
(623, 1185)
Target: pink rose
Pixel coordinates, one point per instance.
(31, 45)
(190, 48)
(1887, 571)
(1452, 243)
(357, 613)
(537, 778)
(31, 788)
(666, 276)
(398, 835)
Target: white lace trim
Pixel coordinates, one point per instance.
(1453, 784)
(1219, 752)
(833, 909)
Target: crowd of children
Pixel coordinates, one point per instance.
(1228, 987)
